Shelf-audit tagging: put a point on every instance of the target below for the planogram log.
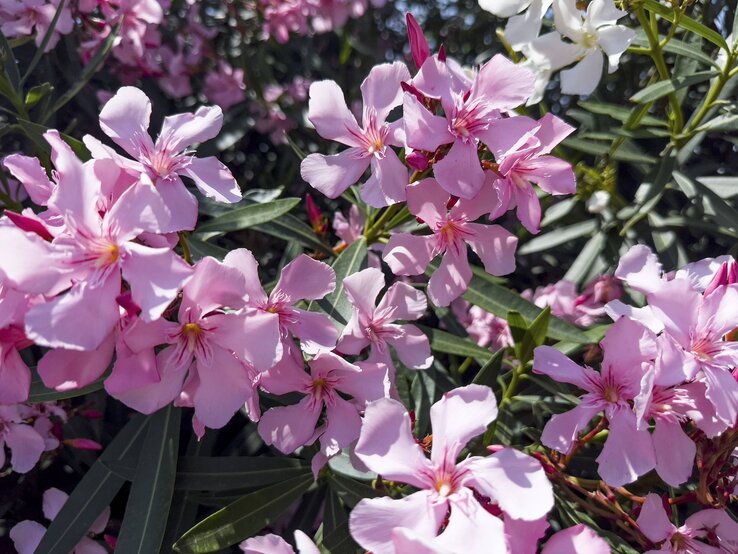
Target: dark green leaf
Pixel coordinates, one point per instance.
(350, 490)
(228, 473)
(686, 23)
(442, 341)
(35, 132)
(290, 228)
(678, 47)
(336, 305)
(500, 300)
(10, 65)
(249, 216)
(561, 235)
(148, 504)
(244, 517)
(93, 493)
(579, 270)
(488, 372)
(663, 88)
(724, 122)
(620, 113)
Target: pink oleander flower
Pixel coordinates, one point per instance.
(28, 534)
(20, 18)
(135, 18)
(15, 375)
(484, 328)
(704, 532)
(369, 145)
(374, 325)
(209, 354)
(47, 419)
(81, 270)
(693, 327)
(453, 495)
(24, 442)
(125, 119)
(499, 85)
(629, 353)
(522, 148)
(302, 279)
(579, 539)
(225, 87)
(274, 544)
(452, 230)
(289, 427)
(352, 229)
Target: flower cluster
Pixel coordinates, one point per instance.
(306, 17)
(483, 158)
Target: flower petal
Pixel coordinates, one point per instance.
(305, 278)
(381, 89)
(332, 175)
(289, 427)
(328, 112)
(459, 172)
(213, 179)
(495, 246)
(125, 117)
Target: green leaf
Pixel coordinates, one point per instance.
(580, 268)
(500, 300)
(291, 229)
(201, 248)
(722, 212)
(35, 132)
(243, 518)
(148, 504)
(91, 67)
(678, 47)
(663, 88)
(336, 305)
(39, 392)
(249, 216)
(10, 65)
(687, 23)
(619, 113)
(724, 122)
(488, 373)
(35, 95)
(228, 473)
(443, 341)
(41, 50)
(560, 236)
(350, 491)
(93, 493)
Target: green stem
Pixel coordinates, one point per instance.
(657, 56)
(377, 227)
(186, 253)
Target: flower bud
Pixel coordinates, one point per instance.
(417, 161)
(418, 44)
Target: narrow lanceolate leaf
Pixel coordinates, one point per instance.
(558, 237)
(10, 66)
(499, 300)
(488, 372)
(248, 216)
(227, 473)
(686, 23)
(441, 341)
(243, 518)
(291, 229)
(663, 88)
(93, 493)
(153, 485)
(336, 305)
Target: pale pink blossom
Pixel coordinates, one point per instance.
(522, 149)
(579, 539)
(28, 534)
(484, 328)
(21, 17)
(452, 230)
(629, 352)
(450, 493)
(289, 427)
(704, 532)
(499, 85)
(207, 362)
(369, 145)
(225, 86)
(125, 119)
(24, 442)
(374, 325)
(302, 279)
(274, 544)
